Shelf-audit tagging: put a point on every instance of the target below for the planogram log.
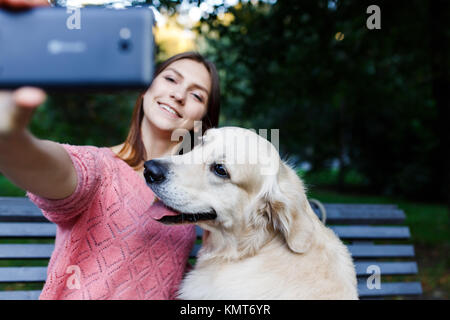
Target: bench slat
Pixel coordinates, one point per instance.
(390, 289)
(26, 251)
(358, 216)
(39, 274)
(360, 205)
(27, 230)
(23, 274)
(381, 251)
(361, 232)
(363, 251)
(48, 230)
(44, 251)
(369, 232)
(21, 209)
(25, 200)
(20, 295)
(386, 268)
(387, 289)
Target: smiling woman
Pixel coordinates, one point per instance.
(175, 100)
(98, 197)
(185, 89)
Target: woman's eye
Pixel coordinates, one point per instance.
(199, 98)
(219, 170)
(170, 79)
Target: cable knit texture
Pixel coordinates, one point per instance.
(107, 244)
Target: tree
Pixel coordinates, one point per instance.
(365, 100)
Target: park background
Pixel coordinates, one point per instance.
(362, 114)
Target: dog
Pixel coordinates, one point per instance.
(262, 240)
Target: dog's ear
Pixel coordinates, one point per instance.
(284, 203)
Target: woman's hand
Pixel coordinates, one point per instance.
(22, 4)
(16, 109)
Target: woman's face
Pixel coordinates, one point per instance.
(178, 96)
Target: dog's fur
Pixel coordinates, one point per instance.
(266, 242)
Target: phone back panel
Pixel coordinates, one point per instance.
(87, 48)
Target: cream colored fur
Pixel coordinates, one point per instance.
(266, 242)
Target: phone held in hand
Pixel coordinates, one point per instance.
(77, 48)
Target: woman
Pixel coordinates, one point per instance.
(107, 244)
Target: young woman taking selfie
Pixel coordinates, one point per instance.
(107, 244)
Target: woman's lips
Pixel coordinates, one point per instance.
(170, 111)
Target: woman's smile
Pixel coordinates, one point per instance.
(170, 111)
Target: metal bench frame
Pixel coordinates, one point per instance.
(359, 225)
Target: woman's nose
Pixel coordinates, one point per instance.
(178, 95)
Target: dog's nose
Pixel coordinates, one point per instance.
(154, 171)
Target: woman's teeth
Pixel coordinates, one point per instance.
(168, 109)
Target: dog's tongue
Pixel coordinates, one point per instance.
(159, 210)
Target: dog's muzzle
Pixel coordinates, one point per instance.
(155, 171)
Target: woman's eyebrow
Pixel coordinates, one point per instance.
(195, 84)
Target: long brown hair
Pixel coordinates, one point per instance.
(133, 151)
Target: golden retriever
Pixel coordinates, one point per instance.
(262, 239)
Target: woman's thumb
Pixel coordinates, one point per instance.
(29, 97)
(16, 108)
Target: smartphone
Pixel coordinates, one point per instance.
(77, 48)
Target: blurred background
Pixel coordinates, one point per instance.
(362, 114)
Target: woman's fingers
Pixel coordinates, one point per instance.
(29, 97)
(23, 4)
(6, 112)
(16, 108)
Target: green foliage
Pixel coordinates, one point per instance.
(366, 101)
(7, 189)
(85, 119)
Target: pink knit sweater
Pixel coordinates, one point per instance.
(107, 244)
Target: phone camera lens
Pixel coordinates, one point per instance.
(125, 45)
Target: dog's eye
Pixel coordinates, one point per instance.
(219, 169)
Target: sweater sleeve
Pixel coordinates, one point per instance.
(86, 160)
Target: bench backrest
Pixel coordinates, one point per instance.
(373, 234)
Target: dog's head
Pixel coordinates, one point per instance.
(235, 185)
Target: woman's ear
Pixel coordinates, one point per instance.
(284, 202)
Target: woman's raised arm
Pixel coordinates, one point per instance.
(40, 166)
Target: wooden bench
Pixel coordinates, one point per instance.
(373, 234)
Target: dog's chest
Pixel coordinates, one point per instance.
(227, 282)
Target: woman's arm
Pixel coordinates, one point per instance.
(39, 166)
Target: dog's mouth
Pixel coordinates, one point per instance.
(168, 215)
